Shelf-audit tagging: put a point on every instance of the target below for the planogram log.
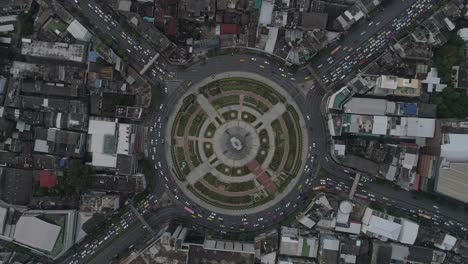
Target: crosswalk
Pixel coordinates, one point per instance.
(172, 85)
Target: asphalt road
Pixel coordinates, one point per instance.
(309, 104)
(369, 39)
(140, 51)
(196, 73)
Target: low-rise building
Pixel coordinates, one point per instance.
(54, 50)
(452, 175)
(386, 227)
(295, 243)
(59, 142)
(111, 145)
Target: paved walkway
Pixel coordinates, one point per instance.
(209, 109)
(197, 173)
(273, 113)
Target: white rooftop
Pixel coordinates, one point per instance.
(380, 125)
(266, 12)
(36, 233)
(388, 82)
(78, 31)
(380, 226)
(463, 33)
(368, 106)
(448, 243)
(3, 214)
(455, 147)
(271, 42)
(409, 232)
(98, 129)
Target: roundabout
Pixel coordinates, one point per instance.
(230, 144)
(236, 143)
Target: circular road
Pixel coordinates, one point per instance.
(228, 150)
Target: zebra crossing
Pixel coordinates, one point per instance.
(171, 85)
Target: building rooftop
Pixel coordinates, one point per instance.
(369, 106)
(199, 255)
(54, 50)
(314, 20)
(36, 233)
(453, 180)
(455, 147)
(78, 31)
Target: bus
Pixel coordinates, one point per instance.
(335, 50)
(361, 196)
(424, 216)
(317, 188)
(189, 210)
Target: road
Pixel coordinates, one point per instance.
(196, 73)
(309, 104)
(140, 52)
(369, 39)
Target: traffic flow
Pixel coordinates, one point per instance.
(336, 69)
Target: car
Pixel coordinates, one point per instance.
(253, 59)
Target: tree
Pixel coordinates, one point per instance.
(75, 178)
(451, 103)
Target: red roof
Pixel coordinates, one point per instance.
(416, 182)
(47, 179)
(171, 27)
(229, 29)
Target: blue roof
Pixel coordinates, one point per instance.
(149, 19)
(92, 56)
(409, 108)
(98, 83)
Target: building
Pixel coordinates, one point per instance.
(59, 142)
(99, 203)
(297, 244)
(111, 145)
(116, 183)
(36, 233)
(386, 227)
(343, 222)
(6, 28)
(397, 253)
(314, 20)
(392, 126)
(78, 31)
(433, 82)
(391, 85)
(452, 179)
(54, 50)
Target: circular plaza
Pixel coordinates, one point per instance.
(236, 143)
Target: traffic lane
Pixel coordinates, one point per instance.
(133, 236)
(139, 59)
(217, 65)
(438, 219)
(112, 27)
(363, 53)
(354, 38)
(374, 45)
(426, 204)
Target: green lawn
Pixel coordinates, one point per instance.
(226, 101)
(219, 197)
